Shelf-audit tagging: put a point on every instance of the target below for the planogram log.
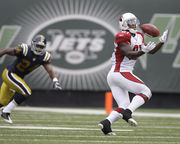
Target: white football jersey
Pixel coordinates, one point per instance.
(122, 63)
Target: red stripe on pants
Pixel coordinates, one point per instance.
(130, 77)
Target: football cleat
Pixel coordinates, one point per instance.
(105, 127)
(6, 117)
(126, 115)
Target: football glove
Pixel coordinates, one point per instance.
(56, 84)
(148, 47)
(163, 38)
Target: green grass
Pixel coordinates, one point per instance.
(151, 130)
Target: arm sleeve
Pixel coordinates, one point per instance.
(21, 50)
(47, 58)
(123, 38)
(18, 50)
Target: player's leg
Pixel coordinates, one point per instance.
(143, 93)
(0, 100)
(137, 86)
(18, 84)
(121, 96)
(5, 94)
(18, 99)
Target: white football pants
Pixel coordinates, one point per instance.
(123, 82)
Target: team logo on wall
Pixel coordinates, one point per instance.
(80, 36)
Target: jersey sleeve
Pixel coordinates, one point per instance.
(123, 38)
(47, 58)
(21, 50)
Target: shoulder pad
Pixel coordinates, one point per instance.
(123, 37)
(47, 57)
(24, 48)
(17, 49)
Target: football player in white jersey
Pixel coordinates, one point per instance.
(129, 45)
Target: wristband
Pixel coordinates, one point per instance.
(55, 79)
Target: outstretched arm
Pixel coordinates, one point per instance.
(128, 51)
(9, 51)
(162, 39)
(52, 75)
(50, 71)
(157, 47)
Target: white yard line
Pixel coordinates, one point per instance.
(58, 128)
(90, 136)
(145, 114)
(62, 110)
(92, 111)
(89, 141)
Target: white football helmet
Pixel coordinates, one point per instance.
(128, 19)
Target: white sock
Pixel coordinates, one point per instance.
(114, 116)
(12, 105)
(136, 102)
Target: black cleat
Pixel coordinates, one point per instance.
(6, 117)
(105, 126)
(126, 115)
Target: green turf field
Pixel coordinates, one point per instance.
(33, 127)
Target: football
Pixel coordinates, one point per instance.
(150, 30)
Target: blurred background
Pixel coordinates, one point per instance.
(80, 35)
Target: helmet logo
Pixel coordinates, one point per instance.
(42, 39)
(121, 18)
(38, 45)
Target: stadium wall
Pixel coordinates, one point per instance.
(80, 35)
(52, 98)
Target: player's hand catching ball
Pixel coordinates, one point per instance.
(148, 47)
(163, 38)
(56, 84)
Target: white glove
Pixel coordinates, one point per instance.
(148, 47)
(163, 38)
(56, 84)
